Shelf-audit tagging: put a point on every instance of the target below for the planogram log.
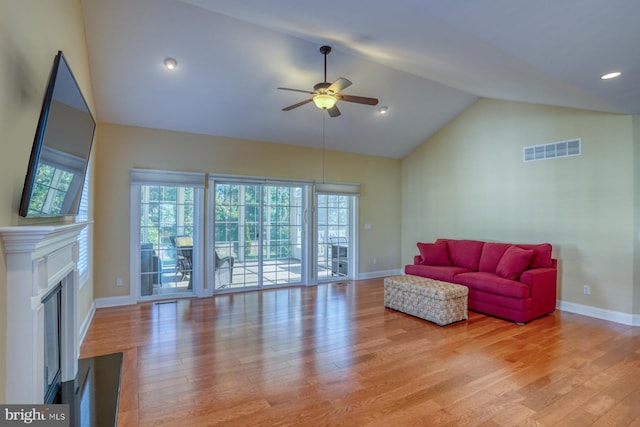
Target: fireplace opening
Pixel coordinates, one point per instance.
(52, 344)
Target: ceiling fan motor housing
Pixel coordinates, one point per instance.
(321, 87)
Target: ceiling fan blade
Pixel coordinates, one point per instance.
(296, 90)
(339, 85)
(357, 99)
(333, 111)
(299, 104)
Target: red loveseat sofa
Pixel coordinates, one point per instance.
(511, 281)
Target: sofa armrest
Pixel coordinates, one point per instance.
(542, 282)
(417, 260)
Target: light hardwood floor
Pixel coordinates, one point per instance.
(333, 355)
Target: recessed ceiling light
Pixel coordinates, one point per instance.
(170, 63)
(611, 75)
(383, 109)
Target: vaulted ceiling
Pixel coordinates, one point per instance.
(426, 60)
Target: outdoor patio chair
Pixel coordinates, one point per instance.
(184, 256)
(220, 262)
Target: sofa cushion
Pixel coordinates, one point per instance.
(541, 255)
(436, 272)
(491, 254)
(465, 253)
(514, 262)
(434, 253)
(492, 283)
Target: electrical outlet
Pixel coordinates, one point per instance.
(118, 281)
(375, 261)
(586, 289)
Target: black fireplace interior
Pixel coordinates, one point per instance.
(52, 345)
(94, 393)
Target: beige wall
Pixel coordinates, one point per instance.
(469, 181)
(636, 216)
(123, 147)
(31, 33)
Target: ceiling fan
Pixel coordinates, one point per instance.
(326, 95)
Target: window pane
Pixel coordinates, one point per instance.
(83, 237)
(166, 215)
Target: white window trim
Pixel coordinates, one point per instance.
(311, 189)
(140, 177)
(354, 233)
(343, 189)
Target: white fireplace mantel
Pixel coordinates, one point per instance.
(39, 257)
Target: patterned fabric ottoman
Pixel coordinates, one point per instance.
(433, 300)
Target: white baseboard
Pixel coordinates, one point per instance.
(85, 325)
(599, 313)
(585, 310)
(377, 274)
(114, 301)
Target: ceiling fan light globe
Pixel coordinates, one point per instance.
(324, 101)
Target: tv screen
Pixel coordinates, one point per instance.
(61, 148)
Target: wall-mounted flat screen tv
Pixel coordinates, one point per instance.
(61, 148)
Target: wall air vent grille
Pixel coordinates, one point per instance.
(572, 147)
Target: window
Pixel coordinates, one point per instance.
(335, 235)
(336, 230)
(259, 229)
(166, 222)
(265, 229)
(83, 237)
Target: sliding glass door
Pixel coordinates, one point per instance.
(335, 216)
(258, 235)
(282, 234)
(166, 212)
(236, 235)
(166, 239)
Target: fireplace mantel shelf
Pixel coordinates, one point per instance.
(31, 238)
